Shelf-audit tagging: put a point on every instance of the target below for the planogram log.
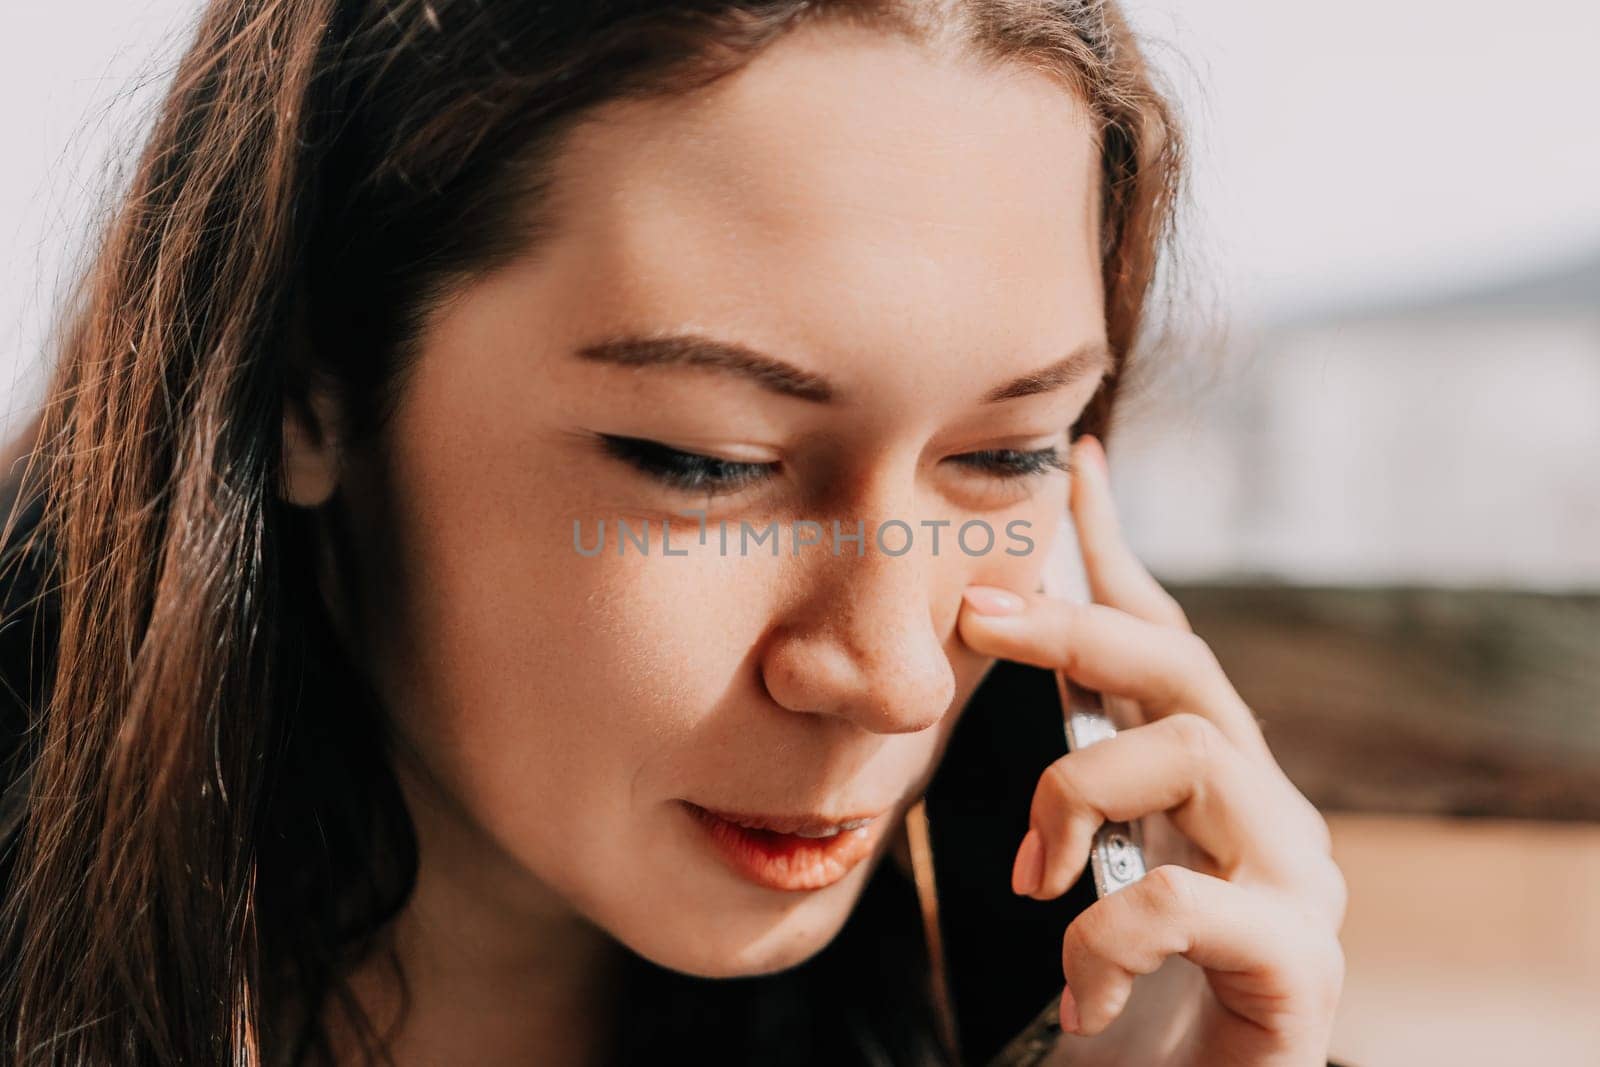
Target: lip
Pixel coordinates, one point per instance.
(767, 849)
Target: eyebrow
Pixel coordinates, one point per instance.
(1092, 357)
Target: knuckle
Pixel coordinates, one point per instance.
(1329, 976)
(1201, 673)
(1096, 931)
(1073, 943)
(1336, 891)
(1173, 613)
(1065, 788)
(1319, 960)
(1201, 653)
(1317, 892)
(1335, 973)
(1082, 935)
(1199, 738)
(1321, 832)
(1170, 888)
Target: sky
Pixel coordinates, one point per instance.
(1361, 149)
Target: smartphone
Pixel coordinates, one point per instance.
(1117, 855)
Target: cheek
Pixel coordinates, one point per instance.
(551, 693)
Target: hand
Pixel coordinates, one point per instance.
(1241, 880)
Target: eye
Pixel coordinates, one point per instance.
(686, 471)
(1011, 463)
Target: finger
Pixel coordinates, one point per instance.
(1182, 765)
(1116, 575)
(1267, 962)
(1106, 649)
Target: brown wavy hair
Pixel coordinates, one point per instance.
(201, 833)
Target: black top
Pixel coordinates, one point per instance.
(1002, 950)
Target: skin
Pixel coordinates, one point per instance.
(916, 248)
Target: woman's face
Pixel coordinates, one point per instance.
(903, 248)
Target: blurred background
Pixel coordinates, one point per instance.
(1374, 482)
(1369, 468)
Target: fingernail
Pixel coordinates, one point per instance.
(1069, 1011)
(989, 600)
(1028, 870)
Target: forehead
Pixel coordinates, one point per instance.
(846, 168)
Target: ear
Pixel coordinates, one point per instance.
(312, 439)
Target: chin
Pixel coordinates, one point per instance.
(748, 936)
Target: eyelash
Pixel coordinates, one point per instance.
(694, 472)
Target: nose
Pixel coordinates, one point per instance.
(863, 643)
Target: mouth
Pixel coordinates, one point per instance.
(793, 853)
